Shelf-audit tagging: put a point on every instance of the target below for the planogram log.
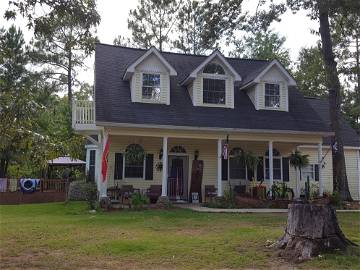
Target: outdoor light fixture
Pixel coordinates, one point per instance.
(196, 154)
(161, 153)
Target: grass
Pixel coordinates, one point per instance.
(67, 236)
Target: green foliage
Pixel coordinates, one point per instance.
(262, 45)
(134, 153)
(310, 73)
(90, 190)
(64, 36)
(200, 25)
(139, 200)
(298, 160)
(152, 22)
(281, 191)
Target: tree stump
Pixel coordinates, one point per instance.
(311, 229)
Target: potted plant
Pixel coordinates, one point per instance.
(134, 153)
(298, 161)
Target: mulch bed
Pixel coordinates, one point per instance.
(249, 202)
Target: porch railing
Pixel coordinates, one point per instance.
(83, 112)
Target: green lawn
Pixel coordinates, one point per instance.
(59, 236)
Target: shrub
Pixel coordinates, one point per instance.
(139, 200)
(91, 194)
(83, 191)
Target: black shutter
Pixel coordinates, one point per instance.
(118, 168)
(224, 169)
(285, 169)
(316, 172)
(260, 169)
(250, 174)
(149, 166)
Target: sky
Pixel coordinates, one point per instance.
(294, 27)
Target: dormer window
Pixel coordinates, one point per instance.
(214, 84)
(214, 68)
(151, 86)
(272, 95)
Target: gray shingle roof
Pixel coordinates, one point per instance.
(113, 101)
(321, 106)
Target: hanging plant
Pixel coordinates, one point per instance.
(134, 153)
(159, 166)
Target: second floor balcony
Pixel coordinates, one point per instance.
(83, 115)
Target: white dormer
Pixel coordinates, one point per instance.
(149, 78)
(211, 84)
(269, 89)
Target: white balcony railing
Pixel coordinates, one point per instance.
(83, 113)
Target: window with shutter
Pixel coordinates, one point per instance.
(149, 167)
(285, 169)
(224, 169)
(118, 168)
(260, 169)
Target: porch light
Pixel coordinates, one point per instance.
(161, 154)
(196, 154)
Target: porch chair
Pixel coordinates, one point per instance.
(114, 194)
(210, 192)
(154, 192)
(126, 191)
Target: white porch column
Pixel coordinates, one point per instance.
(219, 169)
(321, 182)
(165, 167)
(271, 165)
(102, 184)
(297, 188)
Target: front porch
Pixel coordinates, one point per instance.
(169, 163)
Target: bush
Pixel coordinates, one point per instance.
(83, 191)
(139, 200)
(226, 201)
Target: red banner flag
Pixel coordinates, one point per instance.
(104, 164)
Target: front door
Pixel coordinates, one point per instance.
(178, 177)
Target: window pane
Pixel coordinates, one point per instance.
(272, 95)
(308, 171)
(237, 169)
(214, 69)
(276, 169)
(151, 86)
(214, 91)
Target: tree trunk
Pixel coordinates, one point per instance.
(333, 84)
(69, 79)
(3, 167)
(311, 229)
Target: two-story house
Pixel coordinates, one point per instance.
(176, 108)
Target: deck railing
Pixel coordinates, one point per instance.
(83, 112)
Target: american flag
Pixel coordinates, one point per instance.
(104, 164)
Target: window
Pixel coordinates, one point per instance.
(214, 68)
(272, 95)
(308, 171)
(134, 168)
(151, 86)
(178, 149)
(277, 165)
(213, 91)
(92, 165)
(237, 168)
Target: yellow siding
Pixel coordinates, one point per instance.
(252, 95)
(351, 160)
(260, 88)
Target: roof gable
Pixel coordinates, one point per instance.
(256, 77)
(152, 51)
(216, 54)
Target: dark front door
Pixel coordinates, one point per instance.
(177, 181)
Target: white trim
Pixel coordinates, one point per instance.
(275, 62)
(150, 100)
(214, 54)
(164, 187)
(219, 169)
(328, 146)
(240, 130)
(131, 69)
